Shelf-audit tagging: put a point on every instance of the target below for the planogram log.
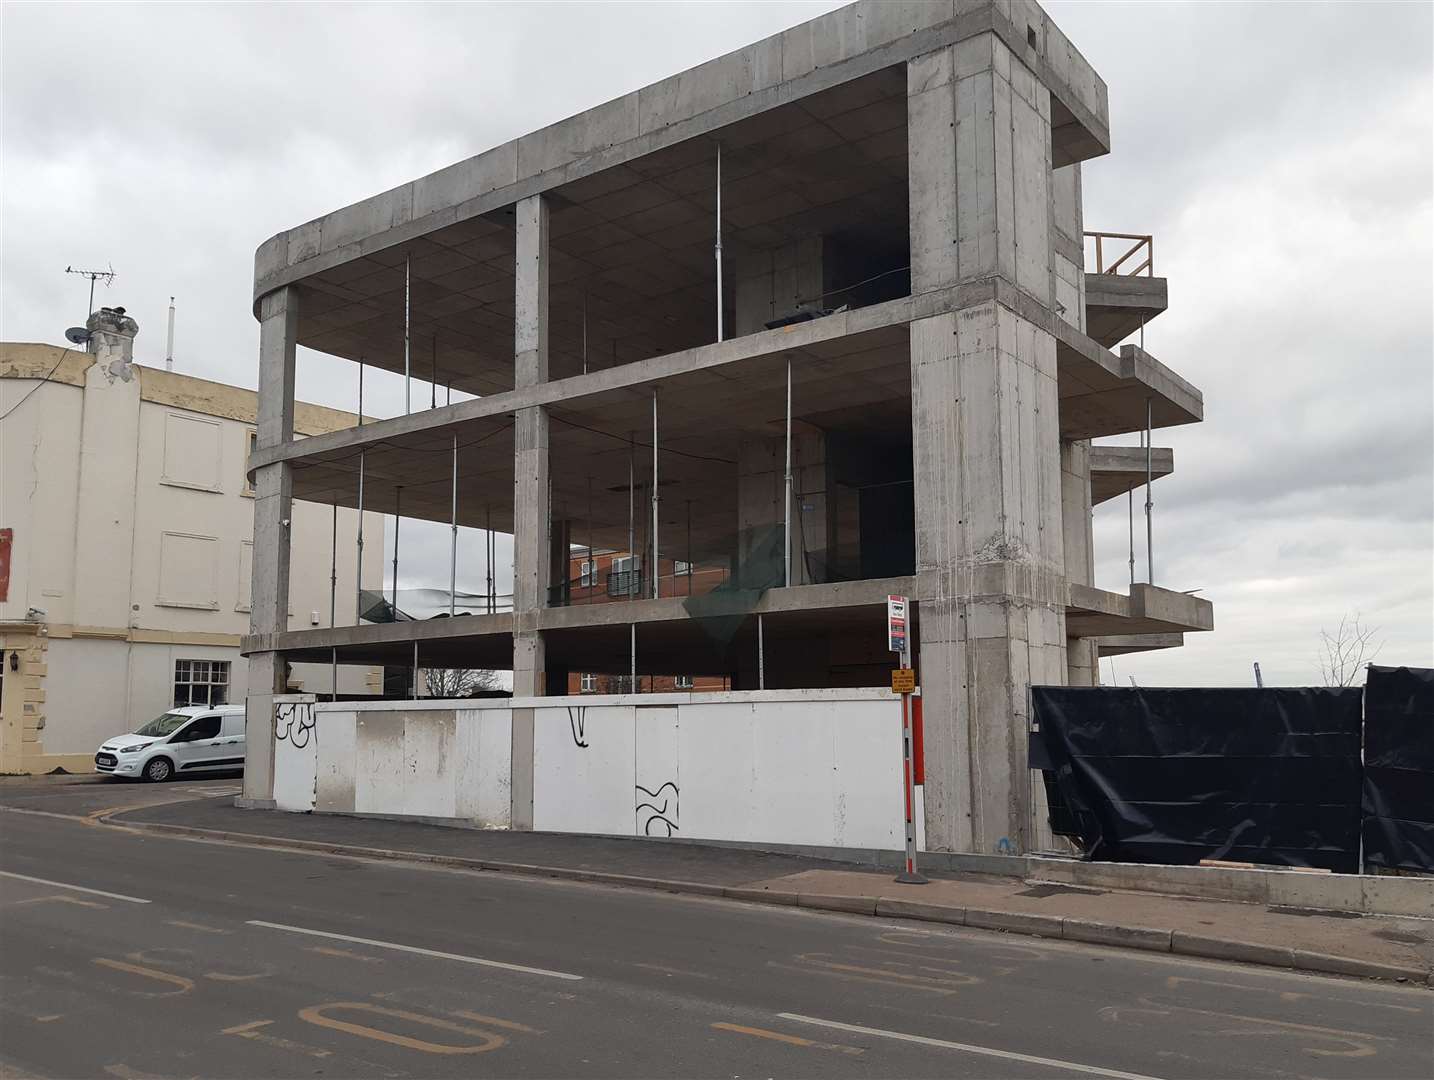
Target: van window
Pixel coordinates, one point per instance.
(206, 727)
(232, 726)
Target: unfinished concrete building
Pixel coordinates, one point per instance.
(816, 313)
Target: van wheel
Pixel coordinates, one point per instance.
(158, 770)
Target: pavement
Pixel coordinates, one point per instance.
(1387, 947)
(134, 953)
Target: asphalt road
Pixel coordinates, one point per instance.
(131, 955)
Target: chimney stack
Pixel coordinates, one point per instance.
(112, 334)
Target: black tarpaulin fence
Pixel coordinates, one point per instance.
(1179, 775)
(1398, 806)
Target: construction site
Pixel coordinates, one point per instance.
(742, 353)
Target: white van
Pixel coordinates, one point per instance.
(191, 741)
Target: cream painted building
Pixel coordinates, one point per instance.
(128, 518)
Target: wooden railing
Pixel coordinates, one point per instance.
(1139, 245)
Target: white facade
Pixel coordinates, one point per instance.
(131, 543)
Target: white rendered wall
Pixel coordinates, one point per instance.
(790, 767)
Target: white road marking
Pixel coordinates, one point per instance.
(415, 949)
(967, 1048)
(76, 888)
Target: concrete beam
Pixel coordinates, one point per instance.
(833, 49)
(1107, 391)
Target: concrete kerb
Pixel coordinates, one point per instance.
(1048, 926)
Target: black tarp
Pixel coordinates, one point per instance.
(1399, 768)
(1179, 775)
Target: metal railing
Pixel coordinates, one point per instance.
(1139, 245)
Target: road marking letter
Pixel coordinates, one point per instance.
(317, 1015)
(791, 1040)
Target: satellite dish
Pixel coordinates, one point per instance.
(77, 335)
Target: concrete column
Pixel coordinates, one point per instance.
(1081, 653)
(986, 441)
(532, 567)
(273, 490)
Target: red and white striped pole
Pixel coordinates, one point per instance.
(903, 681)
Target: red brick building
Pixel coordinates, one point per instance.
(603, 577)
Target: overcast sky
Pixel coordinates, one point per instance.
(1280, 154)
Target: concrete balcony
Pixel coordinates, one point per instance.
(1114, 470)
(1116, 306)
(1097, 613)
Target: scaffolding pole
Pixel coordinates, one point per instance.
(631, 511)
(761, 657)
(632, 658)
(656, 559)
(717, 248)
(358, 565)
(397, 507)
(592, 568)
(407, 314)
(787, 491)
(360, 408)
(453, 539)
(1149, 501)
(334, 674)
(488, 549)
(1130, 501)
(334, 573)
(415, 669)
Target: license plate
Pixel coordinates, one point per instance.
(105, 759)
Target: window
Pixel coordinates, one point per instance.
(201, 682)
(586, 572)
(625, 579)
(206, 727)
(193, 451)
(683, 682)
(251, 443)
(680, 568)
(588, 683)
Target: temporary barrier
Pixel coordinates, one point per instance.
(1399, 768)
(817, 768)
(1178, 775)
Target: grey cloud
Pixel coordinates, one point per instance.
(1278, 152)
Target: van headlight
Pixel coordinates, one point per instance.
(136, 748)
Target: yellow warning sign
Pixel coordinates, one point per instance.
(903, 681)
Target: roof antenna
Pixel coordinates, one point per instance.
(108, 275)
(169, 345)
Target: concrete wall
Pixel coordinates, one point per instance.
(820, 768)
